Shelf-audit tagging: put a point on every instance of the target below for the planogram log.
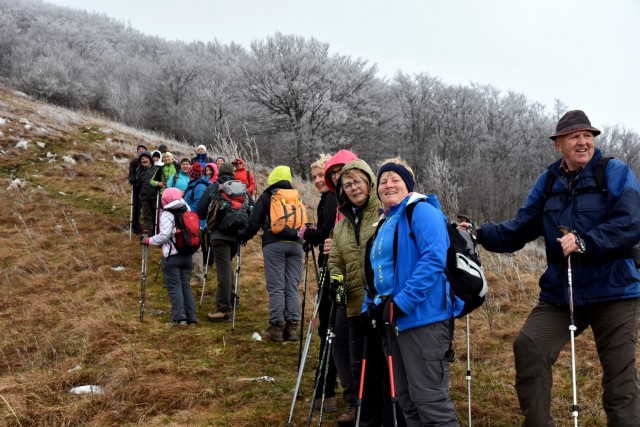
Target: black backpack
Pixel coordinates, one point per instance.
(230, 207)
(463, 268)
(600, 176)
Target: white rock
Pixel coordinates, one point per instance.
(69, 159)
(118, 268)
(22, 144)
(2, 121)
(24, 121)
(40, 144)
(120, 160)
(87, 389)
(50, 155)
(75, 368)
(62, 193)
(1, 134)
(256, 337)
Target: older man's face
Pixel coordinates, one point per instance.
(577, 148)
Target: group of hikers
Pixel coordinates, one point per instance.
(385, 305)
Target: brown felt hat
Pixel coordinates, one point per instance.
(573, 121)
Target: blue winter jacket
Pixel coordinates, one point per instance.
(193, 194)
(609, 226)
(419, 285)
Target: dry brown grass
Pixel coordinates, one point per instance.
(69, 318)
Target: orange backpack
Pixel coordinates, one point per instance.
(287, 213)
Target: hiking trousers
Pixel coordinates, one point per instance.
(175, 270)
(421, 372)
(545, 333)
(283, 271)
(341, 352)
(223, 252)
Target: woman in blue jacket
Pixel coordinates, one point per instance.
(408, 291)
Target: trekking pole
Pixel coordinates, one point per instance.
(236, 297)
(305, 352)
(572, 328)
(204, 278)
(304, 299)
(324, 366)
(363, 369)
(157, 214)
(392, 383)
(131, 214)
(143, 277)
(468, 376)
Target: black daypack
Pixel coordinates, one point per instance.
(463, 268)
(230, 208)
(600, 176)
(187, 235)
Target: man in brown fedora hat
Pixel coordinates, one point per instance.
(585, 206)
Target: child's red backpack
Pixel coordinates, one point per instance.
(187, 238)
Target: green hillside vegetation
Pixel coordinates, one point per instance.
(69, 292)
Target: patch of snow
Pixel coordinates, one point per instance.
(87, 389)
(16, 184)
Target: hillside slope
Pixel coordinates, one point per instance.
(69, 292)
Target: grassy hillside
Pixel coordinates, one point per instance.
(69, 292)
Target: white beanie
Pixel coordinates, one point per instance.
(201, 146)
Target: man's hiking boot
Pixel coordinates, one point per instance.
(219, 316)
(274, 332)
(289, 333)
(348, 418)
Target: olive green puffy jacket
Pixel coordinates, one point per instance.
(346, 258)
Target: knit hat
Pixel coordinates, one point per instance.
(279, 173)
(221, 158)
(171, 195)
(226, 169)
(404, 173)
(185, 160)
(203, 147)
(573, 121)
(195, 171)
(145, 154)
(162, 148)
(141, 145)
(166, 153)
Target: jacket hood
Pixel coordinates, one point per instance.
(170, 195)
(342, 157)
(214, 167)
(343, 200)
(239, 162)
(279, 173)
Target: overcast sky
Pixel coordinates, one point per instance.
(585, 53)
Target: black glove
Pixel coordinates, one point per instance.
(338, 293)
(241, 237)
(144, 240)
(307, 246)
(387, 316)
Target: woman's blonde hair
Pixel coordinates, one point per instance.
(321, 161)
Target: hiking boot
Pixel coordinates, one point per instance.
(348, 418)
(289, 333)
(219, 316)
(274, 332)
(177, 324)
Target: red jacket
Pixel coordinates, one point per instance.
(242, 174)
